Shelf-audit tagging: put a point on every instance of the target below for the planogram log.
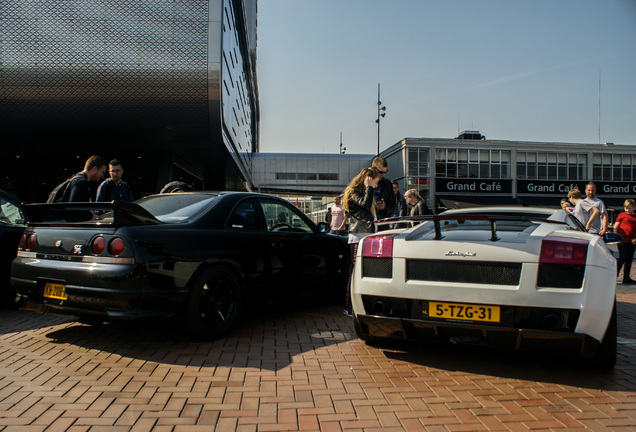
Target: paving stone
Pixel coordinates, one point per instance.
(299, 368)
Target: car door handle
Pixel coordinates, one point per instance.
(277, 244)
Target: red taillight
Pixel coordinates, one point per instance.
(22, 242)
(563, 251)
(116, 246)
(98, 245)
(380, 246)
(30, 242)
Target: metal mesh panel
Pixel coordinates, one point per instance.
(377, 267)
(108, 62)
(464, 272)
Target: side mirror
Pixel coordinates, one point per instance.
(323, 227)
(612, 238)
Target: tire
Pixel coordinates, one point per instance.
(214, 305)
(605, 356)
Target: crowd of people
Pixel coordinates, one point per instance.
(78, 187)
(592, 213)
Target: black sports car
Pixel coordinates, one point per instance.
(12, 225)
(196, 256)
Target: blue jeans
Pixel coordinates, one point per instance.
(338, 232)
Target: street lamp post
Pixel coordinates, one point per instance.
(381, 114)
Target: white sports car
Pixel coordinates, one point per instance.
(510, 277)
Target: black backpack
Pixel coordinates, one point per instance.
(59, 194)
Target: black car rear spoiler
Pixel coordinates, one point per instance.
(77, 214)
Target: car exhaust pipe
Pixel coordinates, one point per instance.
(552, 321)
(380, 308)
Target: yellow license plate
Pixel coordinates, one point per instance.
(55, 291)
(461, 311)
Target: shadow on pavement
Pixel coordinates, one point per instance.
(269, 339)
(550, 368)
(265, 339)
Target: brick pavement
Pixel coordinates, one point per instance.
(299, 368)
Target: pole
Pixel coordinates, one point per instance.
(379, 103)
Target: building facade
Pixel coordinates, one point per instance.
(481, 172)
(167, 87)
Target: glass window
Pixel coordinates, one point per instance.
(283, 218)
(495, 171)
(627, 173)
(176, 207)
(307, 176)
(10, 213)
(423, 163)
(521, 171)
(327, 176)
(440, 170)
(285, 176)
(484, 170)
(245, 217)
(462, 170)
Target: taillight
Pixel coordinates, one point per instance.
(116, 246)
(22, 242)
(30, 242)
(380, 246)
(563, 251)
(98, 245)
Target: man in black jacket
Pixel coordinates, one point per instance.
(384, 202)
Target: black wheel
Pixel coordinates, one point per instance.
(214, 305)
(606, 354)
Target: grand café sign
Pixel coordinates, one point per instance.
(462, 186)
(457, 186)
(547, 187)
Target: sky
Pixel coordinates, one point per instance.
(539, 70)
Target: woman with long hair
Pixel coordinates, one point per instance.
(360, 207)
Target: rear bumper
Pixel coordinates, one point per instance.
(112, 291)
(473, 334)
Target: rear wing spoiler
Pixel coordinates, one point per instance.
(492, 219)
(116, 213)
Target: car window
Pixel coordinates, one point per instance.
(245, 216)
(281, 217)
(10, 213)
(176, 207)
(574, 224)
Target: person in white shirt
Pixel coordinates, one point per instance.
(338, 218)
(598, 226)
(584, 212)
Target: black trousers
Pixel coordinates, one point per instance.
(625, 256)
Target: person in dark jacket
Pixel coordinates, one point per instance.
(79, 188)
(401, 208)
(359, 204)
(384, 202)
(114, 188)
(417, 203)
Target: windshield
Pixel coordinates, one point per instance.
(176, 207)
